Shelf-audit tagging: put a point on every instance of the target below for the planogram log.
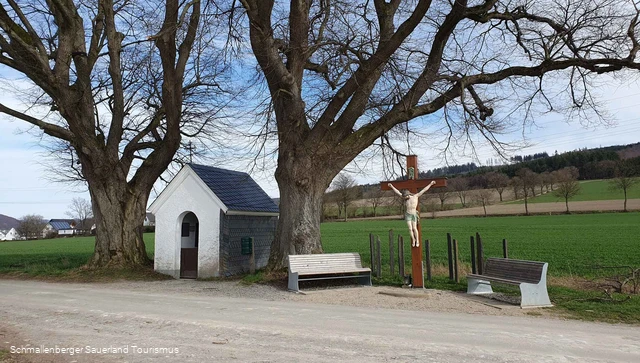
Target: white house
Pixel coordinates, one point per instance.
(204, 218)
(2, 235)
(61, 227)
(149, 220)
(12, 235)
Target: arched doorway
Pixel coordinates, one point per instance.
(189, 231)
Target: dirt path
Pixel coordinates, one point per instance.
(537, 208)
(191, 322)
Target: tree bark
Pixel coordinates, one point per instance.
(119, 238)
(119, 210)
(301, 190)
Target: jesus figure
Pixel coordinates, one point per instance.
(411, 215)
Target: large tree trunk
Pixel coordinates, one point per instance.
(301, 190)
(119, 216)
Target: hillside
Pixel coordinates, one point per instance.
(7, 222)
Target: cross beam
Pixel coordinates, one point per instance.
(414, 185)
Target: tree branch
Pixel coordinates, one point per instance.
(48, 128)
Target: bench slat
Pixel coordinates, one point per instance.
(514, 270)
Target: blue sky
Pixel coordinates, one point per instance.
(25, 188)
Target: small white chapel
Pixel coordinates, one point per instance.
(204, 218)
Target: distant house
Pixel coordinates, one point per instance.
(12, 235)
(61, 227)
(149, 219)
(205, 220)
(2, 235)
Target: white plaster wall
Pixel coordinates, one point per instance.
(188, 196)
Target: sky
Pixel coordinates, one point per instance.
(25, 186)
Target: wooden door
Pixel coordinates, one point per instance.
(189, 263)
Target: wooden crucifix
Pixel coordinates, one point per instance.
(414, 185)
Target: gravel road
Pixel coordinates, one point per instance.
(222, 321)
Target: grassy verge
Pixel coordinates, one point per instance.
(62, 259)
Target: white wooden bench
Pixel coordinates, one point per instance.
(530, 276)
(326, 266)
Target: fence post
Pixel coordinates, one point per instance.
(505, 248)
(427, 252)
(392, 266)
(480, 255)
(378, 257)
(401, 256)
(450, 255)
(372, 249)
(455, 260)
(473, 256)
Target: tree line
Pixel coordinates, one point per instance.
(476, 189)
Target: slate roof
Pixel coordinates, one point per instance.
(237, 190)
(60, 224)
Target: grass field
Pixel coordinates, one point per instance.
(572, 244)
(590, 190)
(53, 256)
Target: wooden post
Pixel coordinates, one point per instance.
(417, 274)
(480, 254)
(378, 257)
(455, 260)
(401, 256)
(450, 255)
(473, 256)
(252, 259)
(372, 249)
(392, 266)
(505, 249)
(427, 252)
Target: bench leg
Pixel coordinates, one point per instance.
(293, 282)
(365, 280)
(534, 295)
(476, 286)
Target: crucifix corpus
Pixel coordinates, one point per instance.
(410, 190)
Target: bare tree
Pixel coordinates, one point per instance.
(526, 178)
(483, 197)
(498, 181)
(80, 210)
(547, 181)
(567, 185)
(115, 77)
(515, 184)
(375, 196)
(624, 180)
(31, 226)
(536, 180)
(344, 189)
(443, 194)
(460, 187)
(343, 74)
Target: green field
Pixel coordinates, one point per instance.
(52, 256)
(572, 244)
(590, 190)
